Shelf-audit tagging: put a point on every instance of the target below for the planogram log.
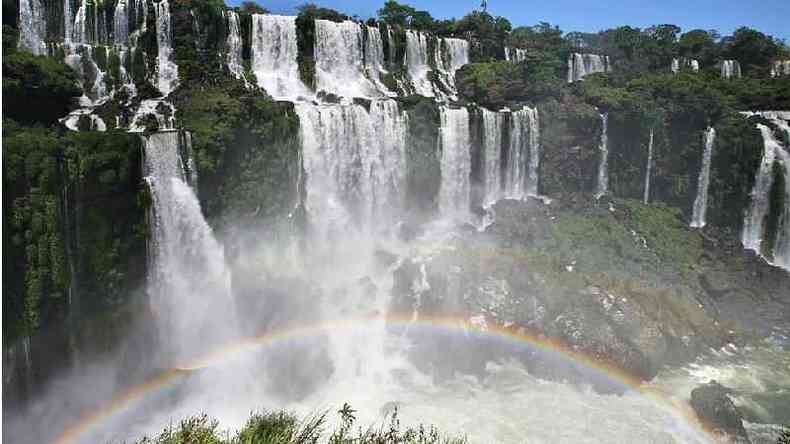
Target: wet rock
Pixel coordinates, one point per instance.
(715, 408)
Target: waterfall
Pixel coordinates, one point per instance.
(234, 46)
(274, 54)
(32, 26)
(492, 149)
(354, 160)
(534, 151)
(684, 62)
(754, 223)
(417, 62)
(339, 56)
(703, 181)
(188, 281)
(581, 65)
(68, 24)
(523, 160)
(730, 69)
(603, 163)
(120, 23)
(456, 162)
(374, 58)
(450, 55)
(515, 55)
(80, 22)
(780, 68)
(649, 168)
(167, 70)
(782, 245)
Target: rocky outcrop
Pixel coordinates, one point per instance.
(517, 274)
(717, 411)
(600, 277)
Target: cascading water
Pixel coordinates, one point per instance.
(730, 69)
(780, 68)
(684, 62)
(354, 160)
(781, 253)
(188, 282)
(603, 164)
(703, 181)
(417, 62)
(754, 223)
(450, 55)
(121, 23)
(581, 65)
(515, 55)
(233, 44)
(648, 169)
(339, 53)
(32, 26)
(274, 54)
(492, 150)
(68, 22)
(456, 161)
(167, 70)
(374, 58)
(523, 160)
(80, 22)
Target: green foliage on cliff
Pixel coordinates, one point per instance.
(73, 215)
(199, 33)
(36, 89)
(245, 147)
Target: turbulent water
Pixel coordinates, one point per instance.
(353, 166)
(703, 181)
(354, 160)
(188, 283)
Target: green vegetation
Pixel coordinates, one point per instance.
(246, 148)
(74, 215)
(285, 428)
(36, 89)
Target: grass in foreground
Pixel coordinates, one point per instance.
(286, 428)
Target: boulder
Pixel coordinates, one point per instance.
(717, 411)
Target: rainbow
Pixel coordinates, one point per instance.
(220, 354)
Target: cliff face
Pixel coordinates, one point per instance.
(423, 124)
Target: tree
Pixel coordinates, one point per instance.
(253, 8)
(394, 13)
(700, 45)
(753, 49)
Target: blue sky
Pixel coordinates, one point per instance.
(769, 16)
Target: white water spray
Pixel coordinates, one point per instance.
(703, 181)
